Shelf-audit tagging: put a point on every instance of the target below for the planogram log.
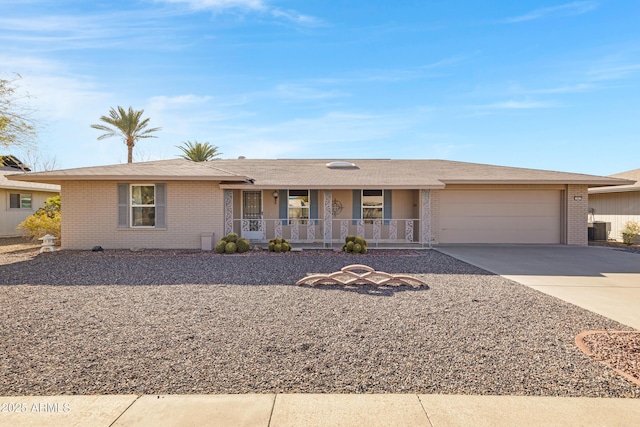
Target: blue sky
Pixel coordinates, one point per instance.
(538, 84)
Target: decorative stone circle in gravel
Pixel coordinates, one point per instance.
(348, 276)
(619, 350)
(186, 322)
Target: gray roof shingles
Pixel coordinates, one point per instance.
(313, 173)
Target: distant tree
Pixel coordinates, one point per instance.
(127, 125)
(199, 152)
(17, 128)
(46, 220)
(39, 161)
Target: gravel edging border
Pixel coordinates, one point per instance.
(586, 350)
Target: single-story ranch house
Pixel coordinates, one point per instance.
(18, 200)
(616, 205)
(174, 203)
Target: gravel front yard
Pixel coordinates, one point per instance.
(157, 322)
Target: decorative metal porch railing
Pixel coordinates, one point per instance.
(394, 231)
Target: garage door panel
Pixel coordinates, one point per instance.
(501, 196)
(504, 210)
(500, 216)
(504, 236)
(498, 223)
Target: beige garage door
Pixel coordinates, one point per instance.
(499, 216)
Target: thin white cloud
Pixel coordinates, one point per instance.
(298, 92)
(567, 9)
(338, 133)
(256, 6)
(517, 105)
(220, 4)
(295, 17)
(575, 88)
(613, 72)
(433, 69)
(90, 31)
(59, 93)
(170, 102)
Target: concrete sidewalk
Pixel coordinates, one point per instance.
(599, 279)
(309, 410)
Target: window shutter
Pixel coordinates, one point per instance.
(161, 205)
(387, 202)
(283, 197)
(123, 205)
(14, 201)
(357, 205)
(313, 199)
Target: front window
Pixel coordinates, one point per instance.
(372, 201)
(143, 205)
(299, 205)
(19, 201)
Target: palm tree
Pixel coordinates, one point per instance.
(126, 124)
(199, 152)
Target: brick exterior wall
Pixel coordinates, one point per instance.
(90, 209)
(90, 216)
(577, 212)
(435, 210)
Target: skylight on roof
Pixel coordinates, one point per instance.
(341, 165)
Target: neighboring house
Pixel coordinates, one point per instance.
(616, 205)
(168, 204)
(18, 200)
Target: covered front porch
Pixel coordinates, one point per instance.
(324, 218)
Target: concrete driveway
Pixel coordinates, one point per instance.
(600, 279)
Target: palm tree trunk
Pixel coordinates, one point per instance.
(130, 145)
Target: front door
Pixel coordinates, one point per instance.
(252, 224)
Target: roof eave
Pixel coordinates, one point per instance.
(590, 183)
(614, 189)
(59, 179)
(25, 188)
(330, 187)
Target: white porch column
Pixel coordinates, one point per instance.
(425, 217)
(328, 218)
(228, 212)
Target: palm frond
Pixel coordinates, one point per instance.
(127, 124)
(198, 152)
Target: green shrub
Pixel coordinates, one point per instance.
(630, 231)
(232, 243)
(46, 220)
(243, 245)
(220, 246)
(230, 248)
(355, 245)
(279, 245)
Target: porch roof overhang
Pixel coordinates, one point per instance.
(234, 186)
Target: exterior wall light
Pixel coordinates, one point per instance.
(275, 197)
(577, 198)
